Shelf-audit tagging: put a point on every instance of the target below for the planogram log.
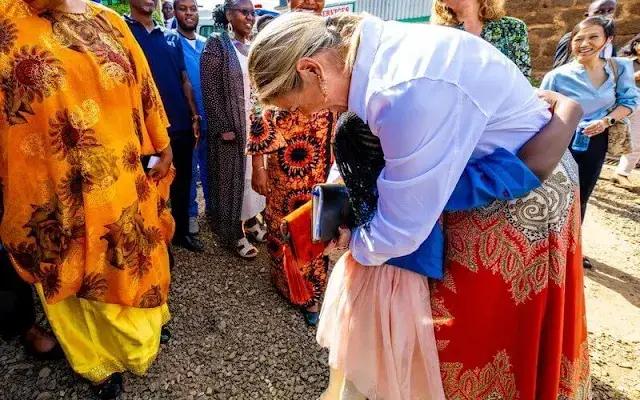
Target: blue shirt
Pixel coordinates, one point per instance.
(572, 81)
(192, 62)
(163, 50)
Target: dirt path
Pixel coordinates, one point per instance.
(236, 338)
(611, 238)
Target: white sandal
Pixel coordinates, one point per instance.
(245, 249)
(257, 232)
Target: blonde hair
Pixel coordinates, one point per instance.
(490, 10)
(291, 37)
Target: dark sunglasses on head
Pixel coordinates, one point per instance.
(245, 11)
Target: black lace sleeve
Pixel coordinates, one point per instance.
(360, 159)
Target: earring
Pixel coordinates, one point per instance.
(323, 88)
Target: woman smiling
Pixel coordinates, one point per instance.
(605, 88)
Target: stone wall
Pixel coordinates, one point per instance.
(548, 20)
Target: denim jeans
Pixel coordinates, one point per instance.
(199, 164)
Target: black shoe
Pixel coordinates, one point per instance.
(172, 260)
(165, 335)
(586, 263)
(189, 242)
(311, 317)
(109, 389)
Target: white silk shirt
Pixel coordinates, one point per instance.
(436, 97)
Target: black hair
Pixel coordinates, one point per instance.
(605, 23)
(176, 3)
(629, 49)
(220, 12)
(264, 21)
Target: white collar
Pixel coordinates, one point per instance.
(372, 28)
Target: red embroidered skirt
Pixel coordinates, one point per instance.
(510, 313)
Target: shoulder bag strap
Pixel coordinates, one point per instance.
(614, 69)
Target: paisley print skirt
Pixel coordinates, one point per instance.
(510, 314)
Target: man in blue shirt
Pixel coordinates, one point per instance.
(186, 14)
(163, 50)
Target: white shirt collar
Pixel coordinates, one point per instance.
(369, 40)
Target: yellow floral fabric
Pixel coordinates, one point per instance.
(78, 109)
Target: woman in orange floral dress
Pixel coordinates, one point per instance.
(83, 221)
(299, 157)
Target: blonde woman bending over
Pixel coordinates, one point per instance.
(434, 117)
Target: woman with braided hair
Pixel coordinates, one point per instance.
(298, 156)
(227, 102)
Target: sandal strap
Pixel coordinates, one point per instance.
(245, 247)
(257, 231)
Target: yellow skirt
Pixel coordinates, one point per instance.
(101, 339)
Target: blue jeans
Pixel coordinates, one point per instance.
(199, 163)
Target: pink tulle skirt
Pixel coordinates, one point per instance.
(377, 324)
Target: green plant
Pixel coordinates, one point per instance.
(535, 82)
(122, 7)
(119, 8)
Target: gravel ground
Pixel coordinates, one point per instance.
(235, 337)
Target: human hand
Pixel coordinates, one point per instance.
(228, 137)
(339, 243)
(550, 98)
(260, 181)
(161, 169)
(595, 128)
(196, 132)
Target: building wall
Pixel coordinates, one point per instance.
(417, 10)
(548, 20)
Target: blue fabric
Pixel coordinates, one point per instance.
(192, 64)
(500, 175)
(572, 80)
(199, 163)
(163, 50)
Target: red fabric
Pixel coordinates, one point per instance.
(299, 251)
(298, 291)
(510, 313)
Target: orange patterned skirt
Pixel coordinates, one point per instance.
(510, 314)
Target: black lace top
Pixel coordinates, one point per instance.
(360, 159)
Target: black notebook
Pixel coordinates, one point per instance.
(330, 208)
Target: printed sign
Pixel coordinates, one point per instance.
(332, 9)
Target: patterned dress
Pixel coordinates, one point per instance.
(299, 157)
(509, 35)
(82, 220)
(518, 262)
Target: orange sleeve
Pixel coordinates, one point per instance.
(266, 133)
(151, 118)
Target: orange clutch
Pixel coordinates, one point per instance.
(298, 251)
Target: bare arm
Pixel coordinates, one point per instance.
(191, 100)
(543, 152)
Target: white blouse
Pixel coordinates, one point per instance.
(436, 97)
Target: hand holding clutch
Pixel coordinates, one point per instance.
(341, 242)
